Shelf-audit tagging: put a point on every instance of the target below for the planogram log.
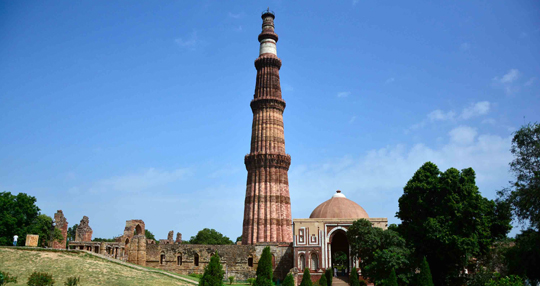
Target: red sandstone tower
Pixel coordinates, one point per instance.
(267, 210)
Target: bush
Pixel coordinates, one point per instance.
(195, 275)
(72, 281)
(251, 280)
(392, 280)
(322, 281)
(6, 278)
(424, 278)
(329, 273)
(354, 281)
(306, 279)
(362, 283)
(231, 280)
(40, 279)
(264, 269)
(213, 273)
(289, 280)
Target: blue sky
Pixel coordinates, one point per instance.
(125, 110)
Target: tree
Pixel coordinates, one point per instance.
(392, 279)
(239, 239)
(380, 251)
(213, 273)
(524, 258)
(424, 277)
(306, 279)
(340, 259)
(210, 237)
(289, 280)
(353, 278)
(445, 219)
(329, 273)
(524, 194)
(264, 269)
(149, 235)
(322, 281)
(16, 214)
(42, 225)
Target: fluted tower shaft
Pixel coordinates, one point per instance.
(267, 211)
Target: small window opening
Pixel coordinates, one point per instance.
(250, 262)
(179, 260)
(196, 260)
(162, 259)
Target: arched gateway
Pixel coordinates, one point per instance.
(324, 236)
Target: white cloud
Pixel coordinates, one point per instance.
(390, 80)
(476, 109)
(352, 119)
(530, 81)
(462, 135)
(375, 179)
(344, 94)
(189, 43)
(464, 47)
(439, 115)
(147, 180)
(489, 121)
(510, 76)
(235, 16)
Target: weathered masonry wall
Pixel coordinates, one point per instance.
(239, 261)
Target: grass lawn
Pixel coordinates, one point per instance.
(92, 270)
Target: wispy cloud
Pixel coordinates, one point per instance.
(507, 81)
(189, 43)
(352, 119)
(343, 94)
(464, 47)
(476, 109)
(530, 81)
(354, 2)
(473, 110)
(236, 15)
(390, 80)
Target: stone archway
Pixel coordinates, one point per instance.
(339, 245)
(138, 230)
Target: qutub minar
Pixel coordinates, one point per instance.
(267, 210)
(309, 243)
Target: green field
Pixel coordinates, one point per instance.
(92, 270)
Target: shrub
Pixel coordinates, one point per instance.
(392, 280)
(231, 280)
(6, 278)
(362, 283)
(72, 281)
(195, 275)
(329, 273)
(264, 269)
(251, 280)
(289, 280)
(40, 279)
(213, 273)
(322, 281)
(306, 279)
(354, 281)
(424, 278)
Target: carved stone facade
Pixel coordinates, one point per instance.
(32, 240)
(61, 224)
(267, 207)
(84, 231)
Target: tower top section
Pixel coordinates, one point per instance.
(268, 38)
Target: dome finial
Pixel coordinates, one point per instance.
(338, 194)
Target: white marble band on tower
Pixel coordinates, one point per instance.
(268, 46)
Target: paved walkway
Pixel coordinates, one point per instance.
(340, 281)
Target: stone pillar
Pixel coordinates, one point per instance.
(103, 248)
(178, 238)
(267, 209)
(141, 250)
(170, 237)
(83, 232)
(61, 224)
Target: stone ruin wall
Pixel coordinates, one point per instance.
(234, 258)
(84, 231)
(61, 224)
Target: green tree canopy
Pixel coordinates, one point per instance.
(445, 219)
(264, 269)
(17, 213)
(524, 258)
(353, 277)
(392, 279)
(329, 273)
(213, 273)
(149, 235)
(42, 225)
(524, 194)
(289, 280)
(380, 251)
(322, 281)
(210, 237)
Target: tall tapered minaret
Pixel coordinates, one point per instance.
(267, 211)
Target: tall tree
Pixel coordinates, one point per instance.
(42, 225)
(289, 280)
(322, 281)
(445, 219)
(213, 273)
(524, 258)
(329, 273)
(524, 194)
(16, 214)
(264, 269)
(380, 251)
(210, 237)
(353, 277)
(392, 279)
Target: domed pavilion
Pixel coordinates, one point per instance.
(320, 241)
